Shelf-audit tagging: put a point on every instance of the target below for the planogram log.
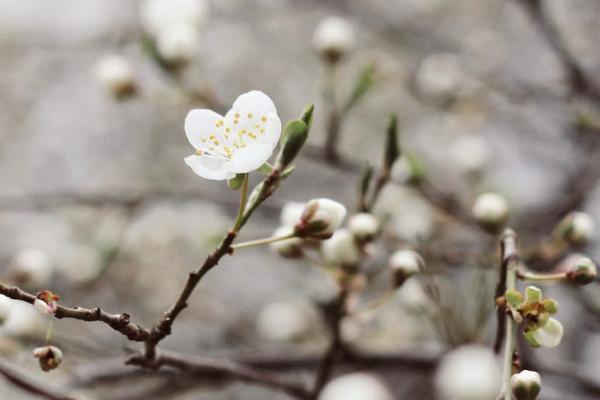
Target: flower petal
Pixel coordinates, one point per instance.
(209, 167)
(249, 158)
(199, 123)
(255, 102)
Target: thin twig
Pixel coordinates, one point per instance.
(30, 385)
(119, 322)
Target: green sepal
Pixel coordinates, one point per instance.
(550, 305)
(530, 339)
(265, 169)
(236, 182)
(514, 298)
(533, 294)
(392, 148)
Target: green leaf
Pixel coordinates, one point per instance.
(364, 82)
(265, 169)
(392, 149)
(236, 183)
(294, 135)
(307, 115)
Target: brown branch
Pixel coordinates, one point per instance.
(119, 322)
(29, 385)
(508, 254)
(162, 328)
(222, 368)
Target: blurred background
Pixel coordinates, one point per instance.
(97, 204)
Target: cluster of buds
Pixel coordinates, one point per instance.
(540, 329)
(46, 302)
(48, 356)
(404, 264)
(576, 228)
(526, 385)
(314, 220)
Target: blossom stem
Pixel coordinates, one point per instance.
(268, 240)
(530, 276)
(510, 261)
(243, 200)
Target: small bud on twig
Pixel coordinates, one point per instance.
(46, 302)
(526, 385)
(341, 250)
(363, 226)
(320, 218)
(333, 39)
(490, 210)
(404, 264)
(49, 357)
(577, 228)
(584, 271)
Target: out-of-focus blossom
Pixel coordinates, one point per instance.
(341, 250)
(577, 227)
(178, 44)
(363, 226)
(289, 248)
(441, 77)
(356, 386)
(115, 74)
(237, 143)
(470, 152)
(333, 38)
(468, 373)
(284, 321)
(31, 267)
(490, 208)
(157, 15)
(404, 264)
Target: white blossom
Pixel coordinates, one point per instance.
(356, 386)
(468, 373)
(333, 38)
(340, 249)
(178, 43)
(239, 142)
(156, 15)
(364, 226)
(115, 74)
(490, 208)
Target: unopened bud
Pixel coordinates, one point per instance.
(404, 264)
(340, 250)
(577, 227)
(490, 210)
(526, 385)
(584, 271)
(533, 294)
(288, 248)
(293, 138)
(115, 74)
(363, 226)
(49, 357)
(320, 218)
(333, 39)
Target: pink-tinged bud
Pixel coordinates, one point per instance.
(46, 302)
(582, 272)
(526, 385)
(49, 357)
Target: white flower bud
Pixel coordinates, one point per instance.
(292, 213)
(548, 335)
(582, 271)
(468, 373)
(22, 320)
(490, 209)
(333, 38)
(577, 227)
(526, 385)
(320, 218)
(178, 44)
(31, 267)
(289, 248)
(356, 386)
(116, 75)
(404, 264)
(470, 152)
(363, 226)
(42, 307)
(340, 250)
(283, 321)
(155, 15)
(49, 357)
